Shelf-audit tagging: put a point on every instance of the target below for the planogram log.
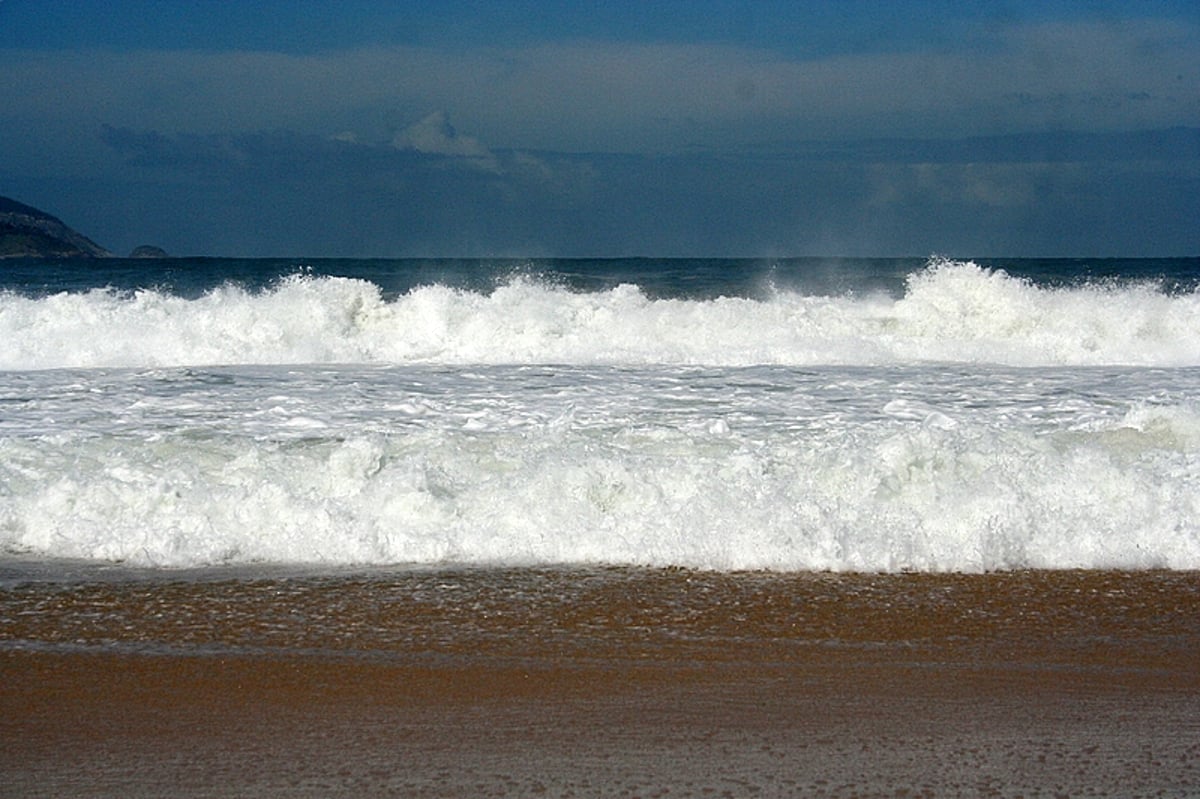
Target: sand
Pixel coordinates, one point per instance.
(603, 683)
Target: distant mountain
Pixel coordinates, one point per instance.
(26, 232)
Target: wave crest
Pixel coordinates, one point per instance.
(950, 311)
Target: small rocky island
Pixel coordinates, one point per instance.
(26, 232)
(148, 251)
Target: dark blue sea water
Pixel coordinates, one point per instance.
(688, 278)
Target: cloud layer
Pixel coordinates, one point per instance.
(634, 97)
(1049, 138)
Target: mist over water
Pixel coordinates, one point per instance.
(948, 417)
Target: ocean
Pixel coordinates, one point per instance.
(791, 415)
(591, 528)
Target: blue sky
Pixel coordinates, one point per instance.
(357, 128)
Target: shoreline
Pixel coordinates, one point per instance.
(627, 682)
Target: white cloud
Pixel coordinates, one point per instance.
(434, 135)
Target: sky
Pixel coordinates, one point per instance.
(530, 129)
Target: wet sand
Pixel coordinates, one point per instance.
(603, 683)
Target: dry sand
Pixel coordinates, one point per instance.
(604, 683)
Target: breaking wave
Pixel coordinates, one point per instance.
(950, 311)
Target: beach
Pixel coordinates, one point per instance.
(602, 682)
(600, 527)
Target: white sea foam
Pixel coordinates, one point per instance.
(865, 468)
(951, 312)
(975, 422)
